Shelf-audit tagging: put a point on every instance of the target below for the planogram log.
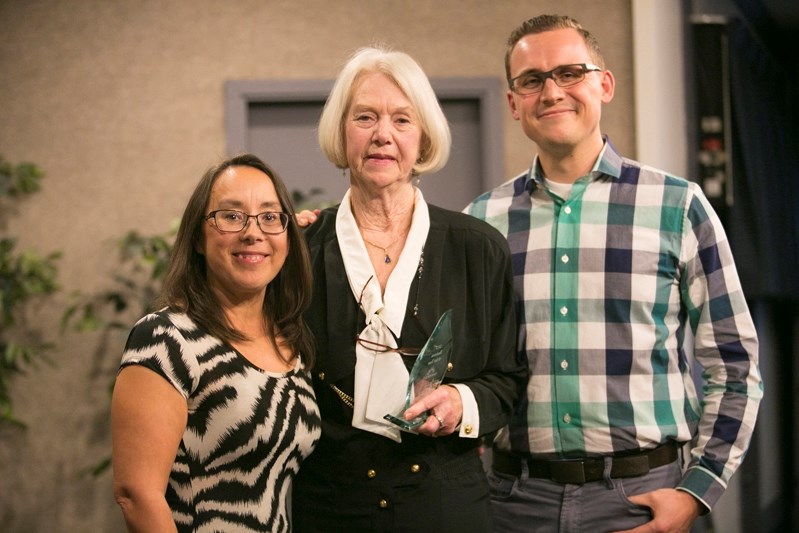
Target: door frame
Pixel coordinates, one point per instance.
(488, 92)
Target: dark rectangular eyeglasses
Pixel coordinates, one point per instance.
(563, 76)
(232, 221)
(383, 348)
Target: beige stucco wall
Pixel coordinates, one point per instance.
(122, 103)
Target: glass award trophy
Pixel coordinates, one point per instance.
(427, 372)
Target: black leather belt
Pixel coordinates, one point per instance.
(589, 469)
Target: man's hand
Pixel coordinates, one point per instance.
(673, 511)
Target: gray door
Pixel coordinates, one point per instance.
(278, 123)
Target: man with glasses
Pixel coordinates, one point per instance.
(613, 263)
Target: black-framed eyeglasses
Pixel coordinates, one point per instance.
(563, 76)
(232, 221)
(384, 348)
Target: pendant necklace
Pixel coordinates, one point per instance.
(387, 259)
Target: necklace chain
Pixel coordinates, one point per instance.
(387, 258)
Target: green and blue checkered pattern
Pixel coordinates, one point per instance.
(611, 285)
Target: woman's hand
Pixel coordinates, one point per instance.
(306, 217)
(445, 411)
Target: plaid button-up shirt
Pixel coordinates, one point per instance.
(611, 285)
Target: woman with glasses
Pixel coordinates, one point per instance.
(213, 409)
(386, 267)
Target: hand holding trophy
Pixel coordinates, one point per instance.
(427, 372)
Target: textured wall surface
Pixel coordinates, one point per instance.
(122, 103)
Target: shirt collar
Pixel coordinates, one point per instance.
(608, 163)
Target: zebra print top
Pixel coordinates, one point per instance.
(247, 432)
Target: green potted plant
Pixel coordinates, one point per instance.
(25, 278)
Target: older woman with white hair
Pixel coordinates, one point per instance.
(386, 266)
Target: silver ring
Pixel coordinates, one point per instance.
(440, 421)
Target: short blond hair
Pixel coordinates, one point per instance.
(406, 73)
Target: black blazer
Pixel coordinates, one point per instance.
(467, 268)
(358, 481)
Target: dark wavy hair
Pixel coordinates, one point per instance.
(543, 23)
(186, 289)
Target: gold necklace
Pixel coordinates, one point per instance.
(387, 259)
